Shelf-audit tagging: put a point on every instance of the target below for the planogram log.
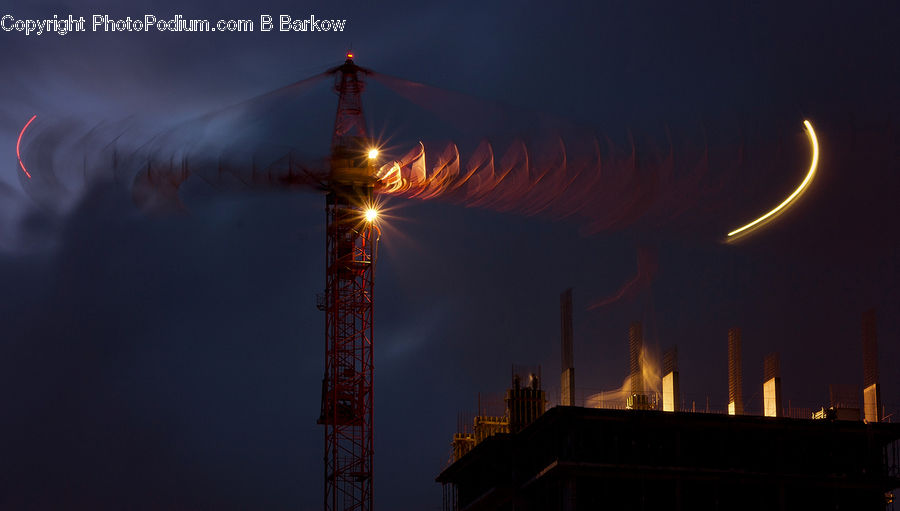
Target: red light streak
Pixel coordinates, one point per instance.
(19, 142)
(647, 267)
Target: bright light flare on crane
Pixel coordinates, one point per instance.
(371, 214)
(373, 153)
(809, 176)
(19, 142)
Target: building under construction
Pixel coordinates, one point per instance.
(649, 456)
(524, 402)
(574, 458)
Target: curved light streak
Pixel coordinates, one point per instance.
(19, 142)
(809, 176)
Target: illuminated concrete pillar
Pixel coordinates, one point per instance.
(636, 359)
(637, 400)
(871, 387)
(671, 388)
(772, 386)
(735, 377)
(567, 383)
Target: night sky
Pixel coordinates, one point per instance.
(173, 359)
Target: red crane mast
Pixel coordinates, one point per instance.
(351, 245)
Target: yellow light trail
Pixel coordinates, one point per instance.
(809, 176)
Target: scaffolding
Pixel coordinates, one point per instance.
(525, 400)
(735, 375)
(567, 379)
(871, 386)
(523, 403)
